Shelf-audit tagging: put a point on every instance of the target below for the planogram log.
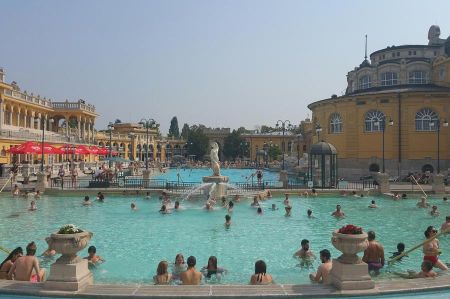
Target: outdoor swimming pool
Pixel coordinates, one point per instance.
(134, 242)
(196, 175)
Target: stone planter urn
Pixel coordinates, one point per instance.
(69, 272)
(68, 245)
(349, 245)
(349, 272)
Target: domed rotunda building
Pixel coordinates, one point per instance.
(394, 114)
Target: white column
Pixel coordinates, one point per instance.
(79, 126)
(67, 126)
(10, 118)
(2, 115)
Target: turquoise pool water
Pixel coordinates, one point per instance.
(196, 175)
(425, 295)
(134, 242)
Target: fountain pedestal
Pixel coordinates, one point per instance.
(220, 189)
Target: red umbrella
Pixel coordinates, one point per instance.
(75, 150)
(103, 151)
(28, 147)
(50, 149)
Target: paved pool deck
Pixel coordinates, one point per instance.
(387, 287)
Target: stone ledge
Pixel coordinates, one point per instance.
(231, 291)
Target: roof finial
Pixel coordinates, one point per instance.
(365, 53)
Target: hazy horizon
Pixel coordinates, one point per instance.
(216, 63)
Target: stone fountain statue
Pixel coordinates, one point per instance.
(214, 155)
(216, 181)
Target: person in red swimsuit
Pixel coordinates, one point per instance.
(431, 249)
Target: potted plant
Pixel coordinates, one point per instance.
(350, 240)
(67, 241)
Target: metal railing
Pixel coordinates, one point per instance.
(134, 182)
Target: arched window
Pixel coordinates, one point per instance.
(365, 82)
(417, 77)
(426, 120)
(335, 123)
(374, 121)
(388, 79)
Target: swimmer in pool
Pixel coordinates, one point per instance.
(227, 221)
(338, 213)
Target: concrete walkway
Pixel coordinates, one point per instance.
(230, 291)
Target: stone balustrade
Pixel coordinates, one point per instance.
(73, 106)
(28, 98)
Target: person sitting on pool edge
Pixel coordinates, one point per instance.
(324, 269)
(261, 276)
(92, 258)
(374, 254)
(6, 265)
(426, 272)
(26, 268)
(338, 213)
(162, 275)
(191, 276)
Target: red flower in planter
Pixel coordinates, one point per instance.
(350, 229)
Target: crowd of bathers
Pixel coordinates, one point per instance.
(19, 267)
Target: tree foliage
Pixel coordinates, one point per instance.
(234, 145)
(197, 142)
(266, 129)
(274, 152)
(185, 131)
(174, 131)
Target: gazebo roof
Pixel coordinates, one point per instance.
(323, 148)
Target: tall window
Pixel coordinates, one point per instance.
(417, 77)
(335, 123)
(374, 121)
(426, 120)
(365, 82)
(388, 79)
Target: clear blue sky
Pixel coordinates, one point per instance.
(219, 63)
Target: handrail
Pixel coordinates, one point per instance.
(417, 183)
(10, 177)
(5, 250)
(417, 246)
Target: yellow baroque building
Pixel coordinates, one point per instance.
(130, 141)
(25, 116)
(394, 114)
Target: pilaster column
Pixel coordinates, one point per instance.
(79, 126)
(2, 115)
(67, 125)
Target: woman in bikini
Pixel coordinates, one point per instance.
(6, 265)
(260, 276)
(162, 276)
(431, 249)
